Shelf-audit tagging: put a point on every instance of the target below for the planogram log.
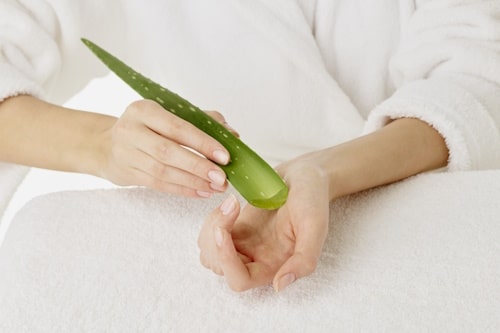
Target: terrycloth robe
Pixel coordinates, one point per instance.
(291, 76)
(359, 64)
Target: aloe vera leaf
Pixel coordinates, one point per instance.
(249, 174)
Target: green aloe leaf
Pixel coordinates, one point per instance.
(250, 175)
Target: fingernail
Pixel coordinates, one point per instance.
(219, 237)
(217, 177)
(228, 205)
(221, 157)
(285, 281)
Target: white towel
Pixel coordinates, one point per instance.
(10, 178)
(291, 76)
(420, 255)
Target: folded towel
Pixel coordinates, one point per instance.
(10, 178)
(419, 255)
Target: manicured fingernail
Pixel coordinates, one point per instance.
(217, 177)
(221, 157)
(285, 281)
(219, 237)
(228, 205)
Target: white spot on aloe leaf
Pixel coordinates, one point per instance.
(192, 109)
(159, 100)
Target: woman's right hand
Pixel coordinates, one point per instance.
(148, 146)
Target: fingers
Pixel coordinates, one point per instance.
(179, 130)
(240, 276)
(220, 118)
(211, 234)
(240, 273)
(219, 254)
(170, 162)
(172, 149)
(310, 237)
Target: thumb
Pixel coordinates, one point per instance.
(305, 258)
(297, 266)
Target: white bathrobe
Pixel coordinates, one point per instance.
(435, 60)
(291, 76)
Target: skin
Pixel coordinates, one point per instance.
(145, 146)
(253, 247)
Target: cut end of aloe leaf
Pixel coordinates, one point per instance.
(271, 203)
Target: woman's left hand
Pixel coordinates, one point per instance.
(253, 247)
(256, 247)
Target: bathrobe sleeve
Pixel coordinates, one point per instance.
(447, 73)
(41, 55)
(40, 49)
(29, 54)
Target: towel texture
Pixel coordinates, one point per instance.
(420, 255)
(10, 178)
(291, 76)
(305, 73)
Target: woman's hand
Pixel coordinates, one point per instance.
(148, 146)
(257, 247)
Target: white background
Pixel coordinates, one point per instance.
(105, 95)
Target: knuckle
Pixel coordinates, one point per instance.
(159, 171)
(122, 128)
(176, 125)
(162, 149)
(138, 107)
(200, 167)
(143, 109)
(155, 184)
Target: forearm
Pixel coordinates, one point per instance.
(39, 134)
(401, 149)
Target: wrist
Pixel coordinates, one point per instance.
(335, 170)
(401, 149)
(320, 167)
(93, 153)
